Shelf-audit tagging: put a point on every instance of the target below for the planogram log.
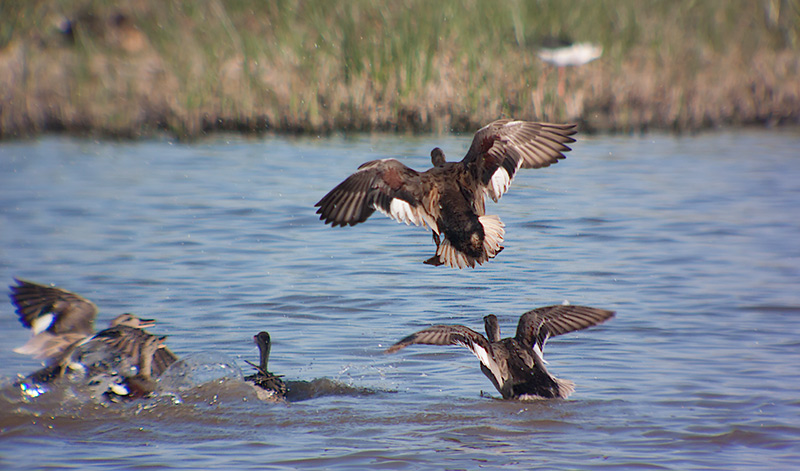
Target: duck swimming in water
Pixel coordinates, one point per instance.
(262, 377)
(516, 365)
(449, 198)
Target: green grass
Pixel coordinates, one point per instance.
(318, 65)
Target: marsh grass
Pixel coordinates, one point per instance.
(316, 66)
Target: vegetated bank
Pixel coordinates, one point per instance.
(190, 68)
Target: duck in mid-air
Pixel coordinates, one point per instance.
(449, 198)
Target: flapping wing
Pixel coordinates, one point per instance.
(123, 340)
(128, 342)
(162, 359)
(386, 185)
(504, 146)
(46, 308)
(448, 335)
(453, 335)
(536, 326)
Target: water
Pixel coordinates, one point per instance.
(694, 241)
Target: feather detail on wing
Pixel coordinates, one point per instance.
(502, 147)
(46, 308)
(493, 233)
(384, 185)
(537, 325)
(453, 335)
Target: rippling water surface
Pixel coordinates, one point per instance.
(694, 241)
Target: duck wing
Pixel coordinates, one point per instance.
(121, 342)
(453, 335)
(162, 359)
(46, 308)
(126, 343)
(504, 146)
(539, 324)
(386, 185)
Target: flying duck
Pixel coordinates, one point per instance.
(262, 377)
(516, 366)
(449, 198)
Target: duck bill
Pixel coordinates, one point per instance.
(145, 323)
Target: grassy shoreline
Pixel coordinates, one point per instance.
(145, 67)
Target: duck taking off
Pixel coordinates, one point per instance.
(59, 319)
(63, 334)
(449, 198)
(516, 365)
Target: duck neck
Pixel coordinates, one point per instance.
(264, 347)
(492, 328)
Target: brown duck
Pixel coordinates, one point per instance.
(449, 198)
(63, 333)
(516, 365)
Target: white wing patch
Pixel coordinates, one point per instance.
(401, 211)
(538, 352)
(42, 323)
(499, 183)
(486, 360)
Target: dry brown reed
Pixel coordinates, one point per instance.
(133, 69)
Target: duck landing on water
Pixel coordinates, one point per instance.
(449, 198)
(516, 365)
(272, 384)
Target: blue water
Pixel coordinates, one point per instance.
(694, 241)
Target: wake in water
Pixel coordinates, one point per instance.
(196, 378)
(124, 361)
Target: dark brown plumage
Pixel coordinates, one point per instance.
(515, 365)
(262, 377)
(449, 198)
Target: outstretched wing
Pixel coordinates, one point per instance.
(46, 308)
(451, 335)
(386, 185)
(504, 146)
(536, 326)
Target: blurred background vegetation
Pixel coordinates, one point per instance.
(143, 66)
